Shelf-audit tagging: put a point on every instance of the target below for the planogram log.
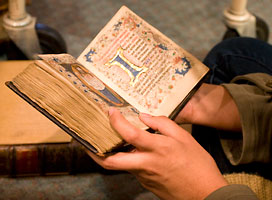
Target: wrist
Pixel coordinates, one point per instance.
(211, 106)
(186, 115)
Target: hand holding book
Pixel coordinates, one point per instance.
(169, 164)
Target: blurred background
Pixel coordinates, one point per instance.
(193, 24)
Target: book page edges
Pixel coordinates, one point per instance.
(47, 111)
(51, 117)
(44, 65)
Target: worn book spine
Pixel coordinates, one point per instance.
(45, 159)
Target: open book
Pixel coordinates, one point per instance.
(129, 65)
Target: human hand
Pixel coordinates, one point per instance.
(211, 106)
(172, 164)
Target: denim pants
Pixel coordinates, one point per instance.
(230, 58)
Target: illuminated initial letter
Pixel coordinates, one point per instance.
(132, 70)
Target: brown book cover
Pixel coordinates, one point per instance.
(45, 159)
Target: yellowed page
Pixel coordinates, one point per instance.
(143, 66)
(20, 123)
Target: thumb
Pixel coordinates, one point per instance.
(135, 136)
(163, 124)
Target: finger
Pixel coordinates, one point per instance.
(120, 161)
(135, 136)
(163, 124)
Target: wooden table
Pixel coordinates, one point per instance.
(19, 122)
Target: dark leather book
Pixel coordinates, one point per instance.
(45, 159)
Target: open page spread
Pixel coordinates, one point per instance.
(93, 89)
(144, 67)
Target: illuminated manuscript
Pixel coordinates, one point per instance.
(141, 64)
(129, 65)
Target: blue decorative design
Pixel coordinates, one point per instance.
(163, 47)
(117, 26)
(56, 59)
(132, 70)
(186, 61)
(126, 65)
(89, 55)
(110, 96)
(186, 69)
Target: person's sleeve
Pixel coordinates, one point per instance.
(252, 94)
(233, 192)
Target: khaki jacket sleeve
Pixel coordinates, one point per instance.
(233, 192)
(252, 94)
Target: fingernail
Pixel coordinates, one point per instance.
(145, 115)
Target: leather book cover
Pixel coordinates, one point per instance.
(45, 159)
